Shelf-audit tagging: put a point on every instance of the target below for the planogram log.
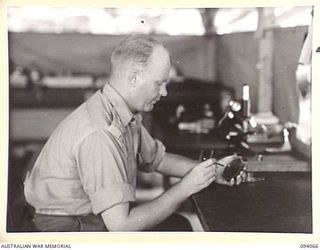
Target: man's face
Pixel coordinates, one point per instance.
(150, 84)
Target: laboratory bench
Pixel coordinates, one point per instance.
(280, 201)
(275, 198)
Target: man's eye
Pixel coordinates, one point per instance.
(162, 83)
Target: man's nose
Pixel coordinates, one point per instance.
(163, 90)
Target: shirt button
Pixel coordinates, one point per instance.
(132, 122)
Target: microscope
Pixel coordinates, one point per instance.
(237, 124)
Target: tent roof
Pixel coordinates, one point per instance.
(172, 21)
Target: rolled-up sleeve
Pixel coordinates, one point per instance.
(151, 152)
(103, 171)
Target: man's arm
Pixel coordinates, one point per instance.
(195, 178)
(176, 165)
(145, 216)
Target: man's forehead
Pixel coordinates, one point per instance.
(158, 61)
(160, 51)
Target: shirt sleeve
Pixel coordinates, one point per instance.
(102, 171)
(151, 152)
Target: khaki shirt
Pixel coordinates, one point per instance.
(90, 161)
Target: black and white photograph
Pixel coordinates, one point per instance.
(134, 119)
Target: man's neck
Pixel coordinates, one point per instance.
(122, 90)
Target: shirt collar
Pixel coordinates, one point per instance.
(119, 105)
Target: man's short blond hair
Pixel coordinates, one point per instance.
(135, 51)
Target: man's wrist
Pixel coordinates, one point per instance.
(183, 190)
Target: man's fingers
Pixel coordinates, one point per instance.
(243, 175)
(212, 179)
(206, 163)
(207, 182)
(232, 182)
(239, 180)
(209, 173)
(224, 182)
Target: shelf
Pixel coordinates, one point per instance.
(21, 98)
(190, 91)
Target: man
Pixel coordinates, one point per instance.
(300, 132)
(85, 176)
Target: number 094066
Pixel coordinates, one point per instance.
(314, 246)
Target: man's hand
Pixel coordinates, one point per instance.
(199, 177)
(206, 172)
(219, 170)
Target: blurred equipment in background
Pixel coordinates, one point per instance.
(68, 81)
(241, 128)
(237, 123)
(19, 78)
(191, 106)
(32, 78)
(202, 125)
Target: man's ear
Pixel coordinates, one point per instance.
(133, 78)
